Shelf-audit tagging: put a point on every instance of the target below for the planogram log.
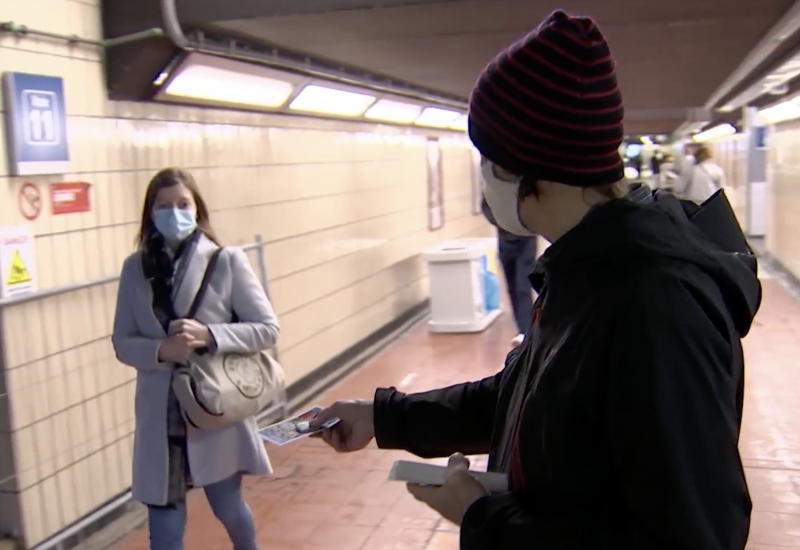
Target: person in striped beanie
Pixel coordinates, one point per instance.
(612, 420)
(615, 424)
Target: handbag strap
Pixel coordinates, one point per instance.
(201, 291)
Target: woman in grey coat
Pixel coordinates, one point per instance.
(157, 286)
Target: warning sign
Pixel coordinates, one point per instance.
(17, 260)
(29, 200)
(17, 273)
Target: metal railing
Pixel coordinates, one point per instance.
(117, 501)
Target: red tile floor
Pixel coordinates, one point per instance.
(318, 500)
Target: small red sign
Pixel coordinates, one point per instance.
(70, 198)
(29, 201)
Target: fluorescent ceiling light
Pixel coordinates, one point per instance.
(330, 101)
(161, 79)
(218, 84)
(460, 124)
(437, 118)
(781, 112)
(716, 132)
(393, 111)
(647, 140)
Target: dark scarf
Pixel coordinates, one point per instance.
(164, 271)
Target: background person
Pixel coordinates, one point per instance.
(517, 256)
(705, 178)
(686, 165)
(668, 176)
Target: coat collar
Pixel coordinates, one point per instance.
(189, 274)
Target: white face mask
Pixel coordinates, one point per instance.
(503, 199)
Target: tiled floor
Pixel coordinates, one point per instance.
(320, 501)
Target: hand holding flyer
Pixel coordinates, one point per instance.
(294, 428)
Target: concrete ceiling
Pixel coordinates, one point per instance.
(671, 55)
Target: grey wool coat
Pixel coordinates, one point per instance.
(214, 455)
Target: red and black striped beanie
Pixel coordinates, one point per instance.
(549, 107)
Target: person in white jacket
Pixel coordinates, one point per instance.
(704, 178)
(668, 174)
(687, 162)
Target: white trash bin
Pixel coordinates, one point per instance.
(456, 286)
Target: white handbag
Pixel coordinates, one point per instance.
(217, 390)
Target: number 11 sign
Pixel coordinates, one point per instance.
(36, 124)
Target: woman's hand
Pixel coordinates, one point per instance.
(177, 348)
(197, 331)
(459, 492)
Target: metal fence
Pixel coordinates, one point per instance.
(11, 508)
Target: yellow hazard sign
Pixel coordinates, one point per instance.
(17, 272)
(17, 260)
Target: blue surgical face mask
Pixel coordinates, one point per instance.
(174, 224)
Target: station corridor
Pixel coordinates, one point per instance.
(344, 146)
(319, 501)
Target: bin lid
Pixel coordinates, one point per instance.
(459, 250)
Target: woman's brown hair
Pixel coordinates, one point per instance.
(169, 177)
(702, 154)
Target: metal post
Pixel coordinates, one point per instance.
(10, 521)
(262, 274)
(262, 264)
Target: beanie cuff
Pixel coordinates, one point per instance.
(491, 149)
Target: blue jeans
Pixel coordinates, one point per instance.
(168, 523)
(517, 256)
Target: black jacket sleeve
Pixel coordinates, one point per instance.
(673, 426)
(438, 423)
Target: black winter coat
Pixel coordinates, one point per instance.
(618, 418)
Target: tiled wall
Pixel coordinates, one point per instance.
(343, 208)
(783, 181)
(730, 154)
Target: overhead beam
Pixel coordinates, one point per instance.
(787, 27)
(651, 127)
(126, 17)
(195, 12)
(659, 114)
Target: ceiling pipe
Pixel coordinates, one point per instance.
(788, 25)
(172, 25)
(173, 30)
(75, 40)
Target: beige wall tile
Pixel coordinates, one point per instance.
(731, 155)
(783, 180)
(342, 208)
(66, 492)
(33, 520)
